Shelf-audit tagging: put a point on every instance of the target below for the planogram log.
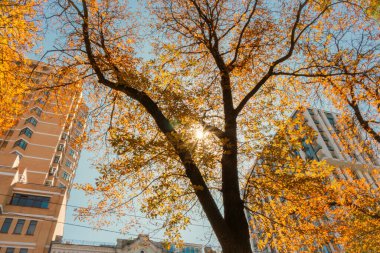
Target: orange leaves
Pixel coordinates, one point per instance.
(359, 219)
(88, 188)
(295, 205)
(208, 57)
(17, 35)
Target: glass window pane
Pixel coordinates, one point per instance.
(10, 250)
(19, 226)
(56, 159)
(21, 143)
(6, 225)
(68, 164)
(32, 121)
(45, 203)
(32, 227)
(30, 200)
(26, 131)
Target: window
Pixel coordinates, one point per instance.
(3, 145)
(330, 118)
(37, 111)
(71, 152)
(68, 163)
(61, 186)
(21, 143)
(188, 250)
(79, 124)
(32, 227)
(27, 132)
(30, 200)
(52, 171)
(60, 147)
(64, 136)
(40, 101)
(23, 250)
(77, 133)
(6, 225)
(19, 226)
(309, 151)
(66, 176)
(10, 250)
(32, 121)
(326, 249)
(56, 159)
(296, 153)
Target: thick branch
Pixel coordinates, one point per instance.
(364, 123)
(192, 171)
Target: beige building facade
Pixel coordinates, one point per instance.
(38, 159)
(141, 244)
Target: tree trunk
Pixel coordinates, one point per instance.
(237, 247)
(233, 205)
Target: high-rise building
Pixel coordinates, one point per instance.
(329, 146)
(38, 159)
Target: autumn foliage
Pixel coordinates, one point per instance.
(303, 205)
(199, 126)
(18, 33)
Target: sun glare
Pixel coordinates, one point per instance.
(199, 133)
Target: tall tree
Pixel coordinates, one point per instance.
(18, 33)
(186, 124)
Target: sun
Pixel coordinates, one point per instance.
(199, 133)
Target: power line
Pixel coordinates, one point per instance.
(94, 228)
(110, 211)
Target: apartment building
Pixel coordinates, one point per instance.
(38, 159)
(328, 146)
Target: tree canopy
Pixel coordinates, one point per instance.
(186, 123)
(18, 33)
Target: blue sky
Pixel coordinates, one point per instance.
(86, 173)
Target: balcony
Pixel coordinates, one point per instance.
(9, 160)
(53, 171)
